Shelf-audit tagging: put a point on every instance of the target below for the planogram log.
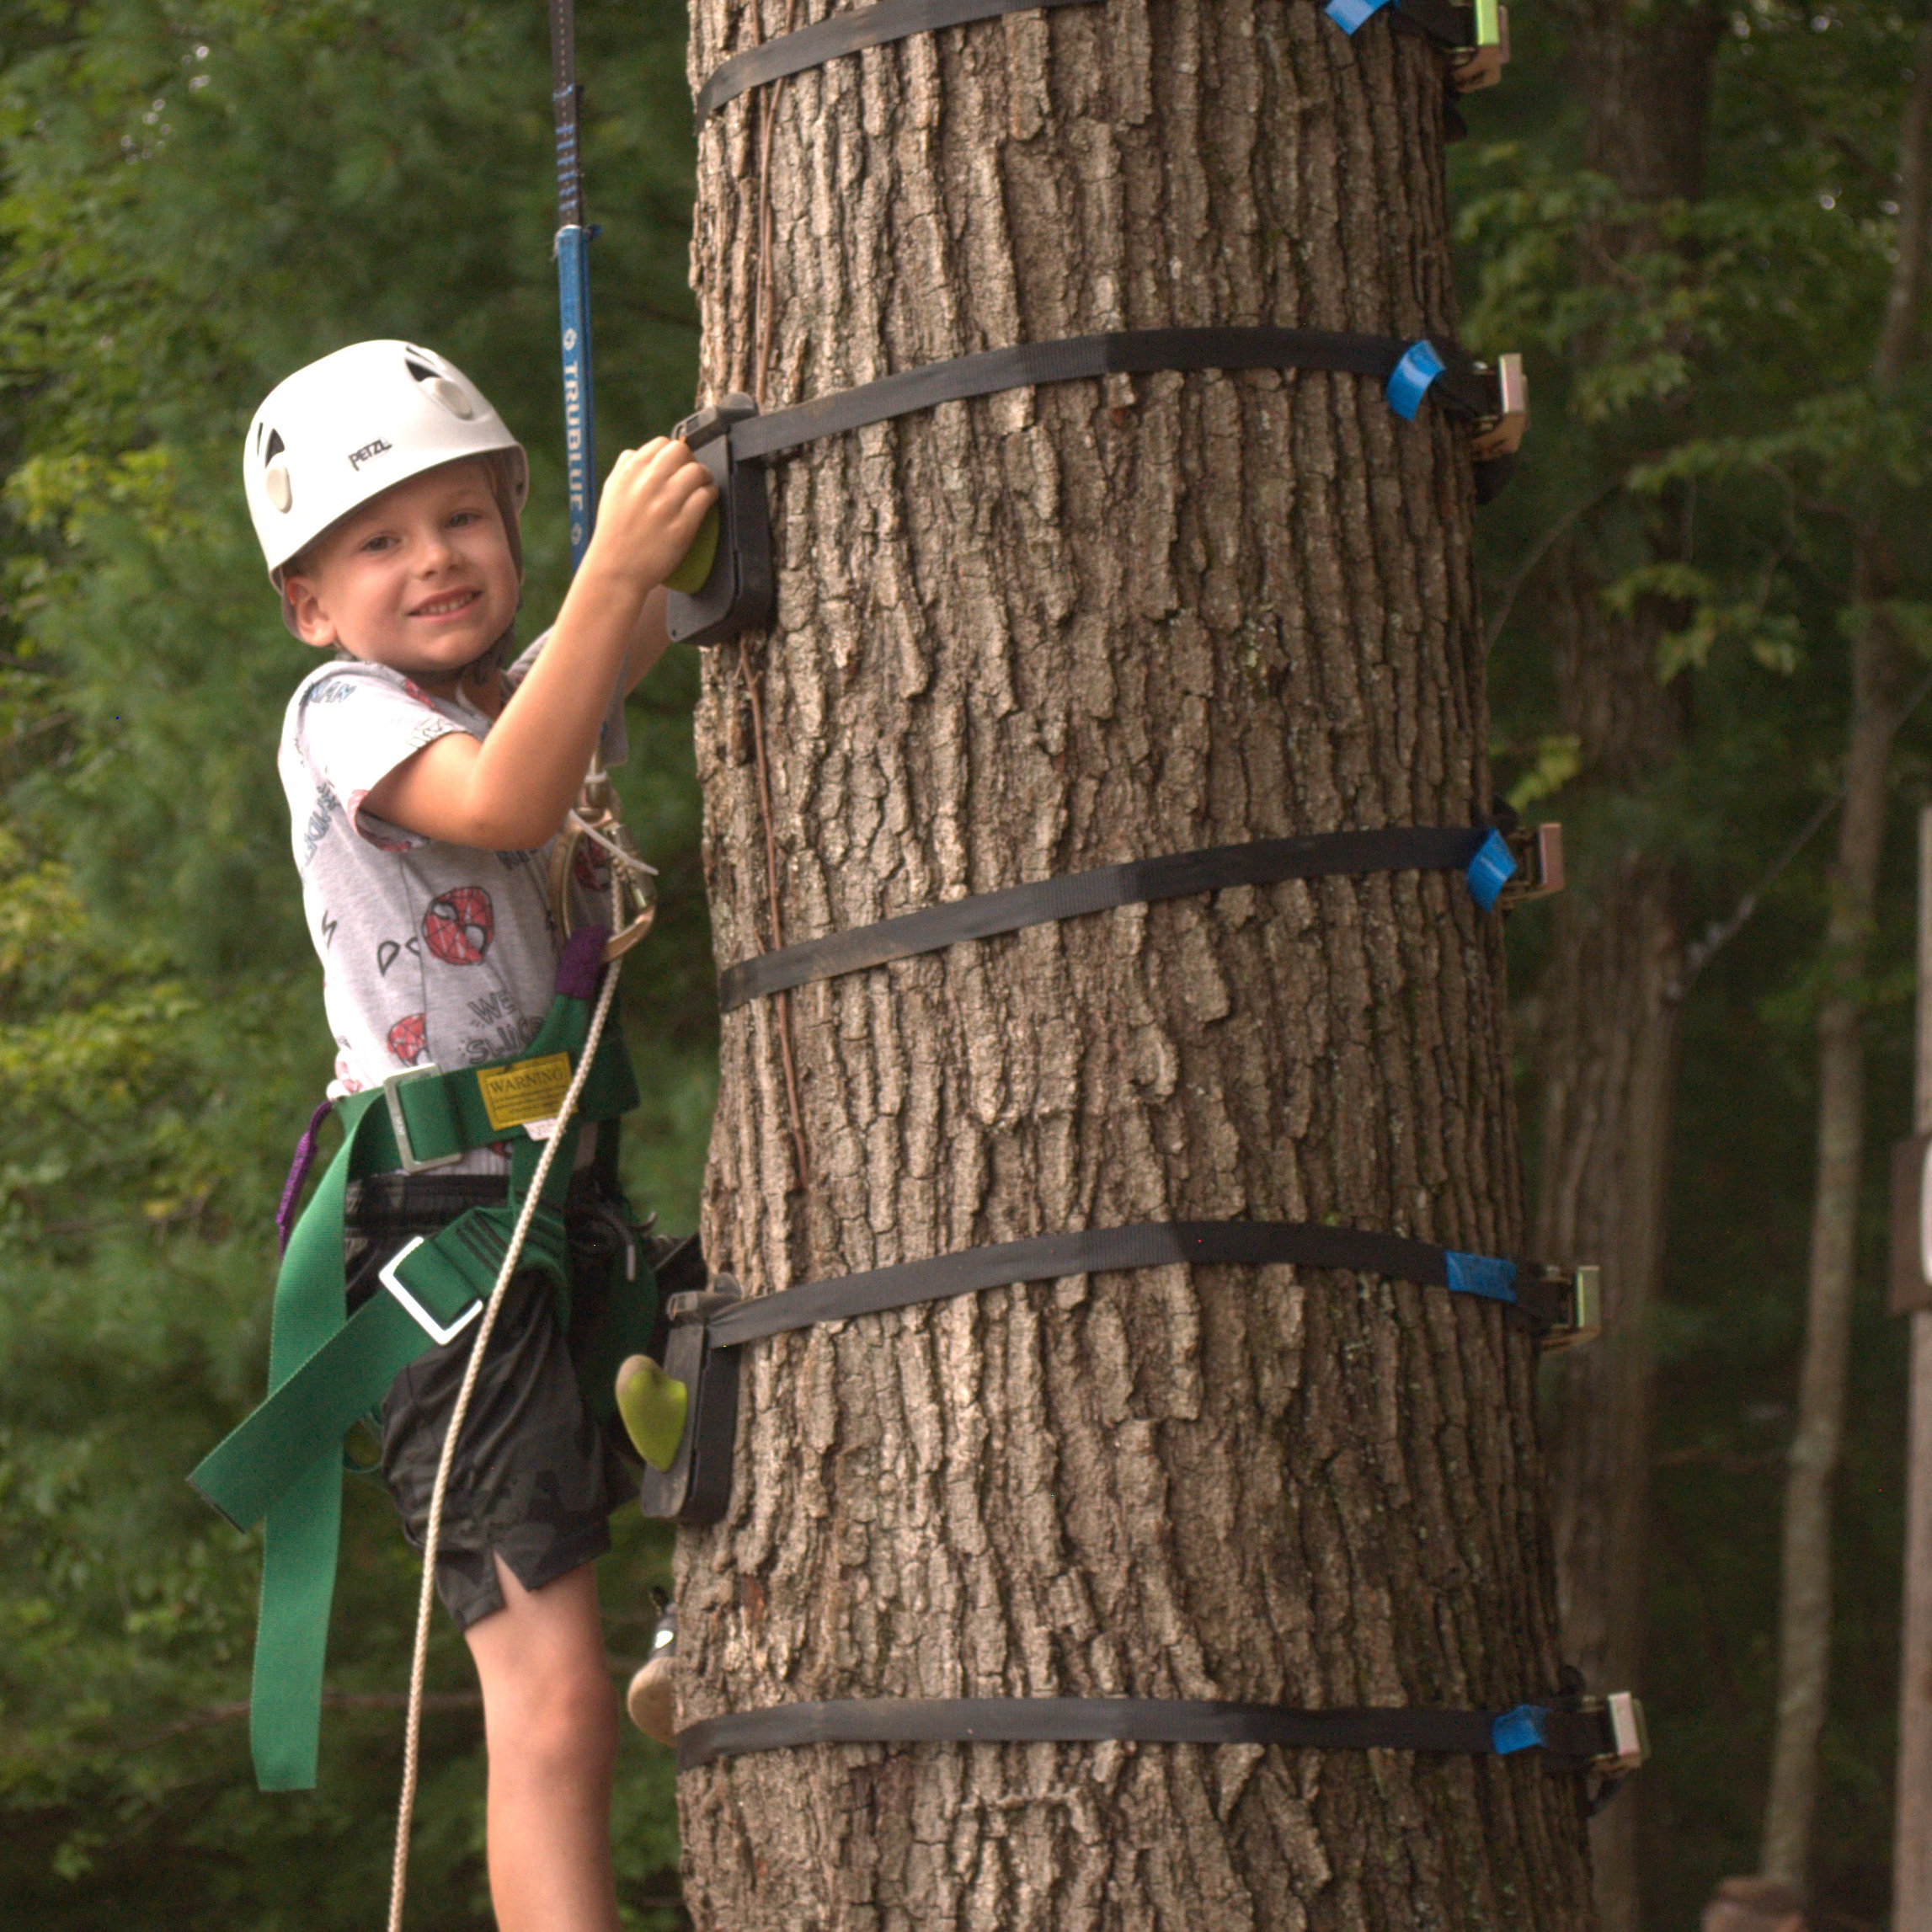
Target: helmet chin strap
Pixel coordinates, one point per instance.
(492, 657)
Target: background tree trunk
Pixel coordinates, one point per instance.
(1607, 1041)
(1880, 664)
(1607, 1064)
(1058, 629)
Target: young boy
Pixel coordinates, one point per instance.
(426, 778)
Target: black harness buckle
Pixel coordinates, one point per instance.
(697, 1487)
(737, 596)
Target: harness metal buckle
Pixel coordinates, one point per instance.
(392, 1099)
(436, 1330)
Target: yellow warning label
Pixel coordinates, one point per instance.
(525, 1090)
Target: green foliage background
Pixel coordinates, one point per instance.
(198, 199)
(195, 198)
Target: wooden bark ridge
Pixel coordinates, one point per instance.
(1053, 630)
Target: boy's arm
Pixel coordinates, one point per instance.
(509, 791)
(649, 641)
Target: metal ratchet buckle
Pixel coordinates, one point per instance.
(437, 1332)
(392, 1098)
(1501, 433)
(1629, 1736)
(1480, 65)
(1583, 1319)
(1538, 851)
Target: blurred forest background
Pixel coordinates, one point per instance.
(197, 195)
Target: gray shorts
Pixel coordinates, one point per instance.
(536, 1477)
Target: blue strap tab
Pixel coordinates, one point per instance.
(1349, 14)
(1518, 1730)
(1409, 381)
(1492, 868)
(1486, 1275)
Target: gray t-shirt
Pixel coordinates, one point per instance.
(430, 952)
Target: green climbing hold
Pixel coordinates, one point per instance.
(690, 575)
(653, 1406)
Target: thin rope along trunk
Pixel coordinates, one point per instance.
(432, 1536)
(1064, 629)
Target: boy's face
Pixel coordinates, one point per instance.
(421, 578)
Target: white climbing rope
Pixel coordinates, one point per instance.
(412, 1737)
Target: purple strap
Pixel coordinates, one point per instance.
(298, 1171)
(581, 966)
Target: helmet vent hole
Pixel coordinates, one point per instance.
(275, 447)
(440, 389)
(451, 396)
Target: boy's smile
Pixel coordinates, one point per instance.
(421, 578)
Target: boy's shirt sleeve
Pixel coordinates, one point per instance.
(356, 723)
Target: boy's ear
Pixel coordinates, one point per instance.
(312, 624)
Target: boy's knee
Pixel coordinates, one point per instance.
(559, 1722)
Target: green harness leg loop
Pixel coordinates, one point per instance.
(325, 1370)
(304, 1525)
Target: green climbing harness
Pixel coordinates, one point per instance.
(327, 1368)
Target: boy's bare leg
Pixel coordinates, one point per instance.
(550, 1717)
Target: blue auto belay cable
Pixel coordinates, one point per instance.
(573, 250)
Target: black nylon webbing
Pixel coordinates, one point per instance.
(1094, 1250)
(1441, 20)
(847, 33)
(1126, 352)
(1581, 1736)
(1146, 882)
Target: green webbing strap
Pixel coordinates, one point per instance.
(448, 1116)
(304, 1527)
(303, 1494)
(316, 1404)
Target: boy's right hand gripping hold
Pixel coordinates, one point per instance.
(654, 501)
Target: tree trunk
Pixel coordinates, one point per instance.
(1606, 1049)
(1057, 629)
(1805, 1599)
(1912, 1789)
(1606, 1059)
(1879, 665)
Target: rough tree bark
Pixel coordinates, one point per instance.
(1880, 665)
(1057, 629)
(1607, 1044)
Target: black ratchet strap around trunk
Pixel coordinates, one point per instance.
(1465, 387)
(1576, 1738)
(847, 33)
(729, 436)
(1142, 1244)
(1259, 862)
(1443, 21)
(1559, 1306)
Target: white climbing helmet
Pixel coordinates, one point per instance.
(344, 429)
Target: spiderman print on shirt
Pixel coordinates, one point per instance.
(408, 1038)
(458, 927)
